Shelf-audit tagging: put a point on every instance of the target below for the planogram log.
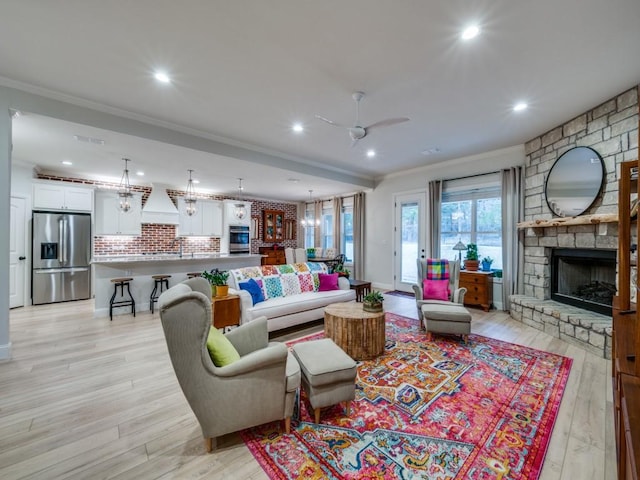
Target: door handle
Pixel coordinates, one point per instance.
(22, 257)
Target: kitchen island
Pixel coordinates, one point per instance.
(141, 267)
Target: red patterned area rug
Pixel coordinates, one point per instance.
(428, 410)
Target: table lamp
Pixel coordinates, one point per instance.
(459, 247)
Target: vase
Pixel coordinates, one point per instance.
(373, 307)
(486, 266)
(222, 290)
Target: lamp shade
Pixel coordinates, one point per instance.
(459, 246)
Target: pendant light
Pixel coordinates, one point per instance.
(190, 197)
(308, 221)
(124, 190)
(239, 209)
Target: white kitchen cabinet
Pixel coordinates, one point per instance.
(61, 196)
(110, 220)
(231, 209)
(207, 221)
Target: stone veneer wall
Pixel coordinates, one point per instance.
(611, 129)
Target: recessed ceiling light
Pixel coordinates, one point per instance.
(470, 32)
(371, 153)
(67, 162)
(140, 173)
(297, 127)
(162, 77)
(518, 107)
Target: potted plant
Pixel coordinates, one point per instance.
(342, 271)
(218, 280)
(486, 263)
(471, 261)
(372, 302)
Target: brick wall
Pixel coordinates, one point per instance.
(611, 129)
(159, 238)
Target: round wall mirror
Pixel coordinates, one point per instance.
(574, 181)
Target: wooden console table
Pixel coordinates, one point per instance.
(360, 334)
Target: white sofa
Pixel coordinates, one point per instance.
(291, 293)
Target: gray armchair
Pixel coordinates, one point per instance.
(258, 388)
(457, 294)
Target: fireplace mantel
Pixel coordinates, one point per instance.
(565, 221)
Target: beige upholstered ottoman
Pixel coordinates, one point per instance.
(448, 319)
(328, 374)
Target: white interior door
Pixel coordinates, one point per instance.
(409, 238)
(17, 253)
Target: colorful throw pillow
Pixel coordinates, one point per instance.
(290, 284)
(306, 282)
(437, 269)
(254, 289)
(272, 286)
(328, 282)
(435, 289)
(221, 349)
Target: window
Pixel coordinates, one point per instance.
(472, 215)
(346, 242)
(326, 223)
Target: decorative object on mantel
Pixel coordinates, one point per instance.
(565, 221)
(574, 181)
(190, 197)
(459, 247)
(471, 261)
(124, 191)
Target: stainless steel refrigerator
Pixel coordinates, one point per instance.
(61, 256)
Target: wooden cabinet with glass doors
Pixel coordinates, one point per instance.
(626, 334)
(272, 226)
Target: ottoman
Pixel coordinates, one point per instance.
(449, 319)
(328, 374)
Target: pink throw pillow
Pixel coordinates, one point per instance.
(328, 281)
(435, 289)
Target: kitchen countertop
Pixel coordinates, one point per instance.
(168, 257)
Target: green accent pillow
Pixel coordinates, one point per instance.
(221, 349)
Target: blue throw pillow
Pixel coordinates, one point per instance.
(254, 289)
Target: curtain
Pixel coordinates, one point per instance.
(337, 224)
(434, 201)
(358, 235)
(512, 237)
(317, 220)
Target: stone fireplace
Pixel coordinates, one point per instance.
(611, 129)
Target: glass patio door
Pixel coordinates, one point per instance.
(409, 238)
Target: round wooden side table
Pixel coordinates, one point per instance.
(360, 334)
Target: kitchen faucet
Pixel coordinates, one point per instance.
(177, 240)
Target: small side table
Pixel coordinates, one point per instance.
(361, 287)
(225, 311)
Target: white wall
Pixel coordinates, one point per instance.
(380, 211)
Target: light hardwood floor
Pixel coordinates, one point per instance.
(87, 398)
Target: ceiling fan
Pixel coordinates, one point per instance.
(358, 132)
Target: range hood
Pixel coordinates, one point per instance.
(159, 207)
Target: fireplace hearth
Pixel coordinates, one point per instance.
(585, 278)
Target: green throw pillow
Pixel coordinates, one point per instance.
(221, 349)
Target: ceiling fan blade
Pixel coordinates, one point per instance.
(388, 122)
(330, 122)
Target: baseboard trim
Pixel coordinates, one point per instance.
(5, 352)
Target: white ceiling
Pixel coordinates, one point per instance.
(246, 70)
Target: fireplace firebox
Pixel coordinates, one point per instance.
(585, 278)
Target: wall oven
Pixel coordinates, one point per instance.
(239, 239)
